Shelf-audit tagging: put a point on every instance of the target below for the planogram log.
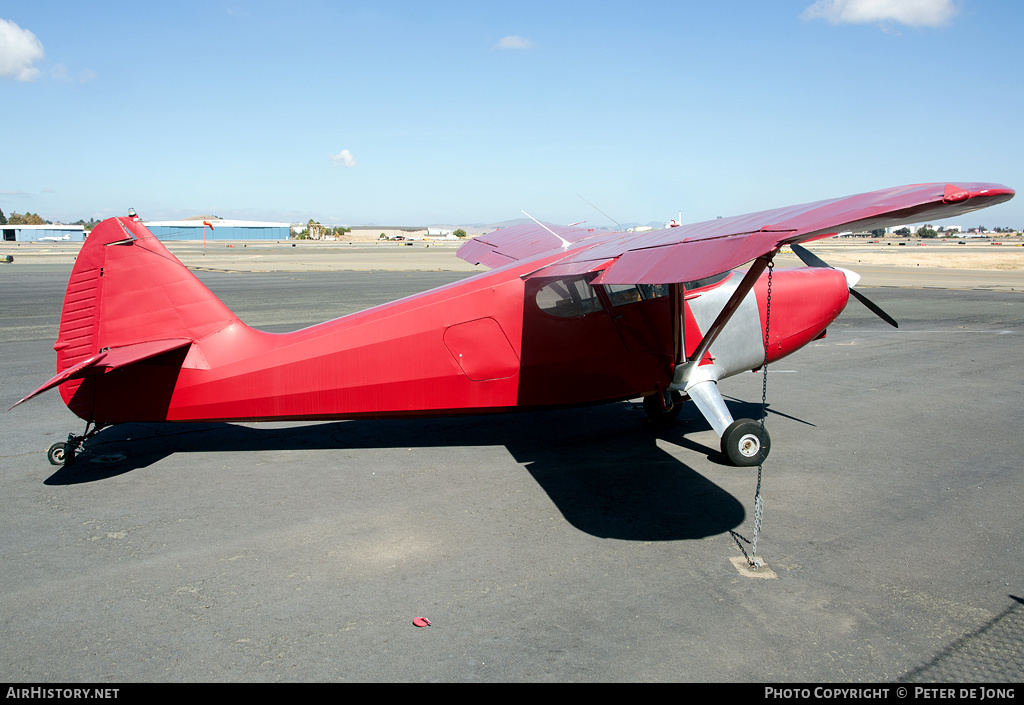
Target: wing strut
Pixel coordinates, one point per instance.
(756, 269)
(690, 373)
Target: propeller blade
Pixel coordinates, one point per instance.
(808, 257)
(874, 308)
(812, 260)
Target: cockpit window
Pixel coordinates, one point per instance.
(568, 298)
(706, 281)
(653, 291)
(622, 294)
(656, 291)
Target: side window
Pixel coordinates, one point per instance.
(622, 294)
(653, 291)
(656, 291)
(706, 281)
(568, 298)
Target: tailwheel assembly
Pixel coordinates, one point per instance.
(58, 454)
(64, 453)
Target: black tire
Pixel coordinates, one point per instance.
(745, 444)
(57, 453)
(656, 414)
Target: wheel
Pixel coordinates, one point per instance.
(745, 443)
(657, 414)
(57, 453)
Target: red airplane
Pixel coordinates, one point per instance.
(565, 317)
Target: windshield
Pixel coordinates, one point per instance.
(623, 294)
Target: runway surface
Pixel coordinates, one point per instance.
(576, 545)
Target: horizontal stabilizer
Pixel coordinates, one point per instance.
(111, 359)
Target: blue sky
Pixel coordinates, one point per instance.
(466, 112)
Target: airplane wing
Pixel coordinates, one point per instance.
(111, 359)
(699, 250)
(518, 242)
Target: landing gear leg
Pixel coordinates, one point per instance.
(744, 442)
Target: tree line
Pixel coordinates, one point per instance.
(35, 219)
(19, 219)
(316, 231)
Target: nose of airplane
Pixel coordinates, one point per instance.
(851, 277)
(803, 303)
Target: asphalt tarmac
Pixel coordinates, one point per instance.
(577, 545)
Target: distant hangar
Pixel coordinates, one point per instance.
(203, 228)
(207, 228)
(212, 228)
(43, 233)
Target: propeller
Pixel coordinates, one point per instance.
(812, 260)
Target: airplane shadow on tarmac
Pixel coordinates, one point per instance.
(600, 465)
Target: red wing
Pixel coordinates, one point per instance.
(699, 250)
(696, 251)
(519, 242)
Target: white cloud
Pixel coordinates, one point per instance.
(343, 158)
(61, 73)
(913, 13)
(514, 42)
(19, 50)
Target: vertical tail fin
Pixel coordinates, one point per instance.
(127, 288)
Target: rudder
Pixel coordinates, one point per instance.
(127, 288)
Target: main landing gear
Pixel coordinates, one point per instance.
(744, 441)
(662, 409)
(64, 453)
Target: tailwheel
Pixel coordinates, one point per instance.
(58, 454)
(64, 453)
(662, 409)
(746, 443)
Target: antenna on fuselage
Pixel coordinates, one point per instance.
(565, 243)
(601, 212)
